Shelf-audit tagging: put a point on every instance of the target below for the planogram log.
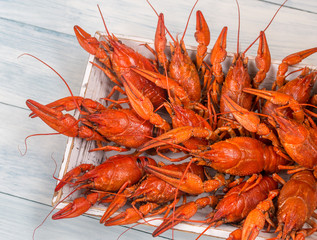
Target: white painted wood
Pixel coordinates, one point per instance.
(291, 30)
(44, 28)
(30, 214)
(28, 176)
(30, 78)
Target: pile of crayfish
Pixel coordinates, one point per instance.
(233, 137)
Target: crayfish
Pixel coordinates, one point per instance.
(115, 174)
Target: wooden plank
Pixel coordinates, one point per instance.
(287, 31)
(28, 176)
(24, 77)
(19, 218)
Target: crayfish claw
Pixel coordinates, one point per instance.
(116, 204)
(182, 213)
(257, 217)
(290, 60)
(218, 55)
(65, 124)
(160, 42)
(79, 206)
(272, 96)
(74, 209)
(252, 232)
(202, 36)
(247, 119)
(86, 41)
(262, 60)
(235, 235)
(127, 217)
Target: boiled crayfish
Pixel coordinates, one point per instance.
(115, 174)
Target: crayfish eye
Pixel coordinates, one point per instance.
(139, 162)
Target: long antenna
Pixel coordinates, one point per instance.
(68, 87)
(164, 24)
(266, 26)
(189, 19)
(103, 20)
(238, 37)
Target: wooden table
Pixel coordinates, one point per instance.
(45, 29)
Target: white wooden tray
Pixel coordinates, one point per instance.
(96, 86)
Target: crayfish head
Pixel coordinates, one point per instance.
(178, 50)
(239, 60)
(289, 131)
(289, 216)
(301, 87)
(144, 161)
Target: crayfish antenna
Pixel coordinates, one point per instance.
(163, 21)
(28, 101)
(266, 26)
(188, 20)
(53, 209)
(238, 37)
(68, 87)
(103, 20)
